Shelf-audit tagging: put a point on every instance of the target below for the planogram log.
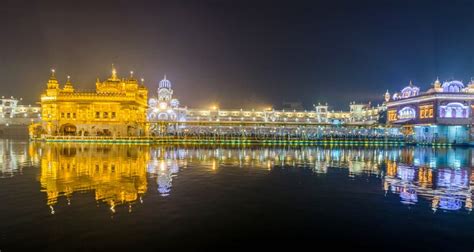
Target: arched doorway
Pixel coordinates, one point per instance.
(68, 130)
(131, 130)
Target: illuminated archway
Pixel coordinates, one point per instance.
(407, 113)
(454, 110)
(68, 129)
(453, 86)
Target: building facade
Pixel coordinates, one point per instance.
(166, 117)
(164, 107)
(12, 112)
(117, 108)
(442, 114)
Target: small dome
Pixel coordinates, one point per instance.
(174, 103)
(437, 83)
(452, 86)
(164, 83)
(410, 90)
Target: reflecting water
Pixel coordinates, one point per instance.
(56, 191)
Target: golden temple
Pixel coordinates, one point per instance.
(117, 108)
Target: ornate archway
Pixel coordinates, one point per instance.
(68, 129)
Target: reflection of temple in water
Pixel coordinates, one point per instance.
(358, 161)
(442, 176)
(115, 173)
(164, 166)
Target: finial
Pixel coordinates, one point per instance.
(68, 78)
(131, 74)
(142, 80)
(165, 77)
(114, 72)
(411, 83)
(52, 72)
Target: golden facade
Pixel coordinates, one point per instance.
(117, 108)
(426, 111)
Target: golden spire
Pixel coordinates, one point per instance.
(53, 82)
(53, 71)
(114, 73)
(68, 86)
(437, 83)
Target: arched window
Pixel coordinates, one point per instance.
(453, 86)
(407, 113)
(454, 110)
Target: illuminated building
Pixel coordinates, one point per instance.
(359, 114)
(115, 173)
(167, 117)
(164, 108)
(443, 114)
(14, 113)
(117, 108)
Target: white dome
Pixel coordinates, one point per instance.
(410, 90)
(453, 86)
(164, 83)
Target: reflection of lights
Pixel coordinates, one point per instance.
(416, 161)
(452, 178)
(112, 206)
(408, 196)
(449, 203)
(433, 163)
(406, 173)
(163, 164)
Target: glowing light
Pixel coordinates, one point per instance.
(407, 113)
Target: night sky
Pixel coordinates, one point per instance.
(239, 53)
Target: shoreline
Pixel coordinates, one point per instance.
(241, 141)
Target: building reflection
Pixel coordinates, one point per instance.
(118, 174)
(115, 173)
(164, 166)
(442, 176)
(14, 156)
